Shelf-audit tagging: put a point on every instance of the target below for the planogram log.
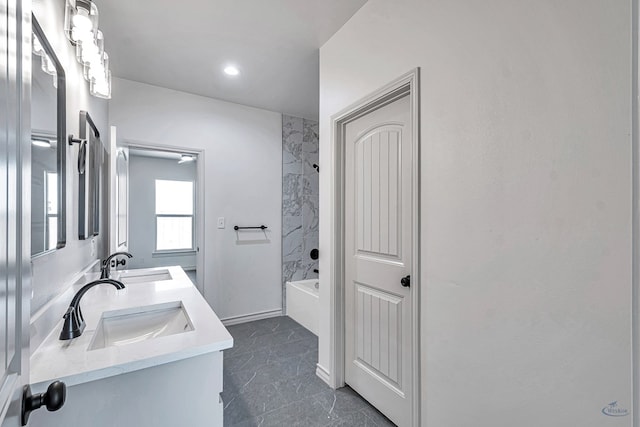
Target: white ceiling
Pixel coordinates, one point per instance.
(184, 45)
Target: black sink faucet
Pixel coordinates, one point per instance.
(105, 269)
(73, 320)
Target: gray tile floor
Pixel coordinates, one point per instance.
(270, 380)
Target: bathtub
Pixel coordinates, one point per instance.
(303, 299)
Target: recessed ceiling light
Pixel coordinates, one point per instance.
(230, 70)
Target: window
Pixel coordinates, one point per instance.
(174, 215)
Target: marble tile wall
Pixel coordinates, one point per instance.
(300, 198)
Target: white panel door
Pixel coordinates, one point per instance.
(378, 254)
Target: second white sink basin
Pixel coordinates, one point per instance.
(143, 276)
(123, 327)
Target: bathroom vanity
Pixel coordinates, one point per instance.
(150, 355)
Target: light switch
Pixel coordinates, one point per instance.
(221, 222)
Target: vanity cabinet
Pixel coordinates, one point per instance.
(138, 377)
(181, 393)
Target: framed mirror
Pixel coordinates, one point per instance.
(90, 159)
(48, 146)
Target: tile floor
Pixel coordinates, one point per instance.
(270, 380)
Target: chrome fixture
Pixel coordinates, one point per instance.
(81, 28)
(105, 269)
(73, 320)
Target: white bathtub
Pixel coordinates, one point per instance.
(303, 298)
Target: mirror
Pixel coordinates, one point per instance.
(48, 150)
(90, 159)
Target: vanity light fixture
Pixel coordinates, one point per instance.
(231, 70)
(81, 28)
(185, 158)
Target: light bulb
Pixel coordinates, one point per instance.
(87, 52)
(89, 49)
(81, 21)
(97, 73)
(98, 40)
(101, 87)
(80, 36)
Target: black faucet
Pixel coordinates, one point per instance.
(105, 269)
(73, 320)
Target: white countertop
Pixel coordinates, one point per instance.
(71, 361)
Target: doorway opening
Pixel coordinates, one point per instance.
(158, 208)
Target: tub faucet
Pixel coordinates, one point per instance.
(105, 269)
(73, 320)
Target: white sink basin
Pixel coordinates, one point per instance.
(123, 327)
(143, 276)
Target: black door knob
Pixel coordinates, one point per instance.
(406, 281)
(53, 399)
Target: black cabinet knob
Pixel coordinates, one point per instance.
(53, 399)
(406, 281)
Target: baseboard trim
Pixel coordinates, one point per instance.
(323, 374)
(234, 320)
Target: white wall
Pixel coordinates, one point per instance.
(525, 200)
(242, 182)
(143, 172)
(52, 271)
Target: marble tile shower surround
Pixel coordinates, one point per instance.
(300, 198)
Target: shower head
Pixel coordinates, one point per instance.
(316, 167)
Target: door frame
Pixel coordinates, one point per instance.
(199, 231)
(635, 212)
(405, 85)
(18, 235)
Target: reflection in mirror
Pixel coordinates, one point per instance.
(90, 158)
(48, 129)
(122, 172)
